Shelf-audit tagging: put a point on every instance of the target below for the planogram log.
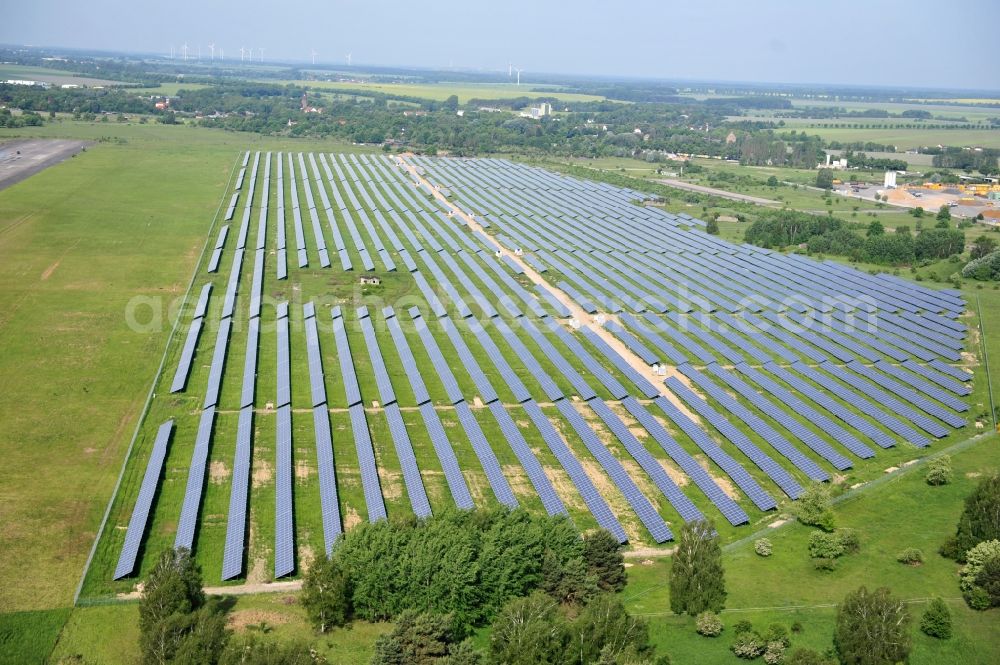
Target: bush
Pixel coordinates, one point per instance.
(749, 645)
(807, 657)
(988, 580)
(708, 624)
(936, 620)
(849, 540)
(976, 559)
(939, 471)
(774, 653)
(797, 627)
(813, 508)
(777, 633)
(825, 545)
(762, 546)
(824, 564)
(742, 626)
(911, 556)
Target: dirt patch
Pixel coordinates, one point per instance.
(523, 424)
(647, 553)
(891, 469)
(565, 488)
(218, 472)
(240, 620)
(838, 479)
(973, 474)
(351, 518)
(724, 483)
(776, 523)
(263, 473)
(676, 475)
(619, 506)
(259, 572)
(392, 483)
(302, 469)
(518, 480)
(51, 269)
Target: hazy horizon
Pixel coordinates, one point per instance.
(726, 41)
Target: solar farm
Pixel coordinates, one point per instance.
(369, 337)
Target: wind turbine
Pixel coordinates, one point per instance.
(243, 53)
(184, 50)
(199, 51)
(222, 53)
(314, 56)
(262, 55)
(211, 47)
(518, 75)
(171, 51)
(510, 70)
(348, 56)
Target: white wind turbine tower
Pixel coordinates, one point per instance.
(211, 48)
(171, 51)
(518, 75)
(262, 55)
(510, 70)
(314, 56)
(348, 56)
(222, 53)
(184, 50)
(243, 53)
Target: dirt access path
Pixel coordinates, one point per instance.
(23, 158)
(577, 312)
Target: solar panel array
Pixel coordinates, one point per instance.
(742, 350)
(144, 502)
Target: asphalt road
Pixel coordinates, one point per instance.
(23, 158)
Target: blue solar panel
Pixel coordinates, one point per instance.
(346, 361)
(329, 503)
(541, 483)
(195, 482)
(488, 459)
(914, 397)
(647, 389)
(683, 505)
(582, 388)
(939, 378)
(284, 534)
(759, 427)
(552, 391)
(407, 461)
(633, 344)
(823, 399)
(835, 431)
(366, 459)
(548, 296)
(486, 392)
(437, 359)
(144, 502)
(729, 508)
(951, 370)
(507, 373)
(316, 383)
(647, 514)
(250, 363)
(610, 383)
(406, 356)
(187, 354)
(446, 454)
(232, 557)
(801, 432)
(386, 394)
(218, 363)
(595, 502)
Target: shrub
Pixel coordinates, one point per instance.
(976, 559)
(824, 564)
(988, 580)
(911, 556)
(774, 653)
(806, 657)
(742, 626)
(762, 546)
(813, 508)
(748, 645)
(939, 471)
(936, 620)
(978, 599)
(708, 624)
(797, 627)
(849, 540)
(825, 545)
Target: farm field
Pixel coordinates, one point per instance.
(442, 91)
(53, 76)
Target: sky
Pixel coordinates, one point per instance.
(864, 42)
